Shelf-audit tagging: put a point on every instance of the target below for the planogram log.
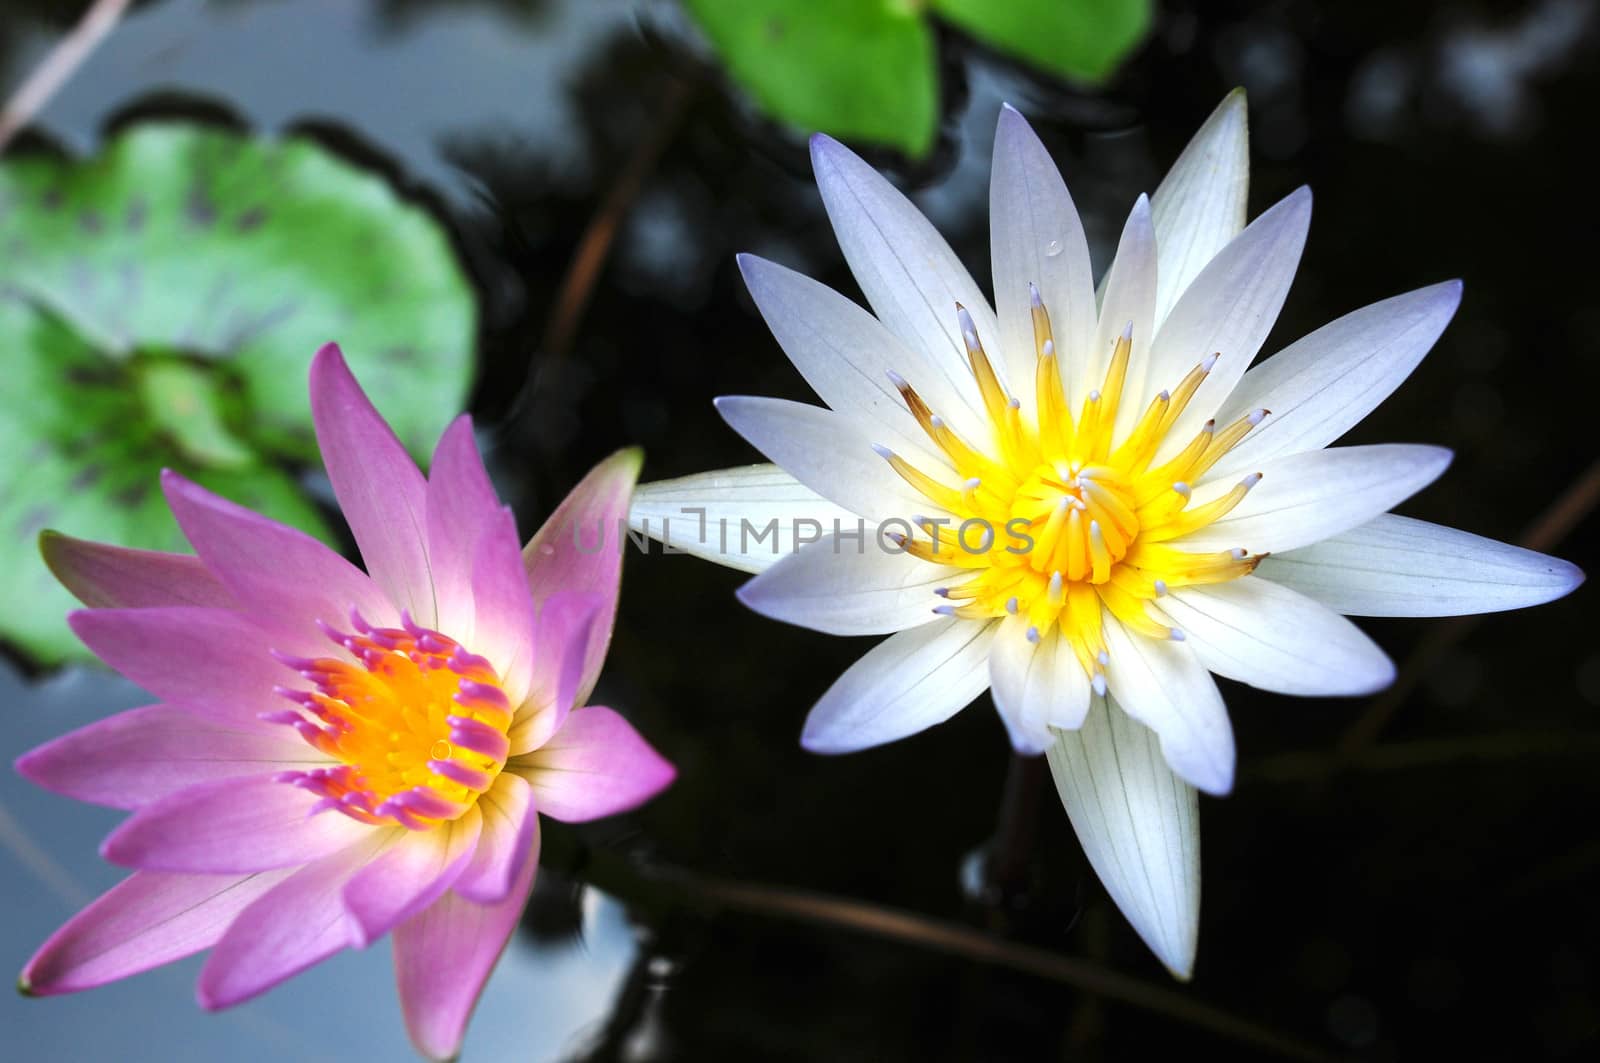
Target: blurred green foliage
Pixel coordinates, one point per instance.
(867, 69)
(159, 306)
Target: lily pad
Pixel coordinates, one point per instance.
(159, 306)
(1082, 40)
(854, 68)
(867, 69)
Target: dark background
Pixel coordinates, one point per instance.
(1427, 890)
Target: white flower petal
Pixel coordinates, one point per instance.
(1130, 299)
(1307, 497)
(746, 518)
(911, 278)
(846, 355)
(905, 684)
(850, 586)
(1163, 685)
(826, 452)
(1036, 238)
(1397, 566)
(1200, 206)
(1271, 637)
(1139, 825)
(1036, 685)
(1319, 387)
(1228, 310)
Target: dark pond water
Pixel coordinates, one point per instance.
(1435, 898)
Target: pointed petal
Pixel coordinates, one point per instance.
(212, 662)
(908, 273)
(905, 684)
(139, 756)
(1397, 566)
(443, 957)
(1164, 686)
(299, 922)
(579, 548)
(595, 765)
(568, 627)
(148, 919)
(1304, 498)
(1200, 206)
(460, 505)
(846, 355)
(503, 609)
(1130, 299)
(827, 453)
(850, 587)
(410, 874)
(510, 827)
(113, 577)
(379, 487)
(1139, 824)
(1271, 637)
(1037, 685)
(1036, 238)
(282, 577)
(1228, 311)
(746, 518)
(231, 826)
(1319, 387)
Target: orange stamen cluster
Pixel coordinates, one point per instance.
(418, 724)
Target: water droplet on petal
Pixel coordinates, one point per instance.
(1053, 248)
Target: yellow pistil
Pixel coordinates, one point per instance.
(1082, 524)
(417, 724)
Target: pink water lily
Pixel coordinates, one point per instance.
(338, 754)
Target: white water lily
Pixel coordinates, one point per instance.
(1071, 501)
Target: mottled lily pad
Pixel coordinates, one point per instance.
(867, 69)
(159, 306)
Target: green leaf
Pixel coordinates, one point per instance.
(159, 307)
(1079, 39)
(861, 69)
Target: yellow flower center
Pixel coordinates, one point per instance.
(1060, 517)
(419, 725)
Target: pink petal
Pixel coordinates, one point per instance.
(232, 826)
(503, 608)
(409, 875)
(443, 957)
(569, 626)
(283, 578)
(510, 825)
(461, 504)
(139, 756)
(595, 765)
(212, 662)
(580, 549)
(113, 577)
(300, 922)
(148, 919)
(379, 487)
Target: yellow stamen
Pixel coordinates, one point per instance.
(1078, 522)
